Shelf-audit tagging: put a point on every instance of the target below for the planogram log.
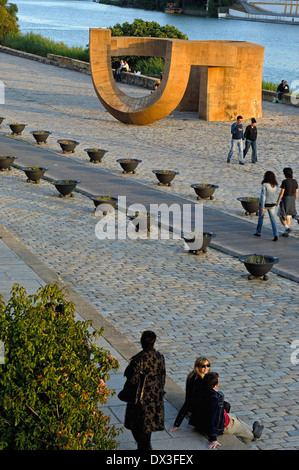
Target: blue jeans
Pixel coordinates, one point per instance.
(271, 212)
(239, 144)
(251, 143)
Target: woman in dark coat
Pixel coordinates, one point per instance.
(193, 384)
(143, 419)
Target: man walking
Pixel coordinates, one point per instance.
(251, 136)
(237, 140)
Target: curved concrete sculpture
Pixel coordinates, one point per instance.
(219, 79)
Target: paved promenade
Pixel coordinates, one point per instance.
(196, 304)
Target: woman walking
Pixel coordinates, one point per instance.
(287, 198)
(267, 202)
(194, 379)
(146, 417)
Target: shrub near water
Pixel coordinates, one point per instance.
(37, 44)
(52, 382)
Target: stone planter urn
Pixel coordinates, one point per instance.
(250, 204)
(128, 164)
(6, 162)
(198, 244)
(104, 201)
(68, 146)
(16, 128)
(165, 177)
(204, 191)
(40, 136)
(95, 154)
(34, 173)
(143, 221)
(258, 265)
(65, 187)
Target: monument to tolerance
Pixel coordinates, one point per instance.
(217, 79)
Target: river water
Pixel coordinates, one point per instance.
(69, 21)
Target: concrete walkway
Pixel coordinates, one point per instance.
(196, 304)
(19, 265)
(233, 235)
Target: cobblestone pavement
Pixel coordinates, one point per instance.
(196, 304)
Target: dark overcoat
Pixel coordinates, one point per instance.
(150, 415)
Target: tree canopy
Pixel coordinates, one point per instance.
(8, 18)
(141, 28)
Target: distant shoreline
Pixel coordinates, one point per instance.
(202, 14)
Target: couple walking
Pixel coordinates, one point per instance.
(238, 137)
(286, 200)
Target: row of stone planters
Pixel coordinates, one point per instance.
(257, 265)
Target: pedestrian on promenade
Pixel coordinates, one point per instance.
(237, 140)
(250, 135)
(287, 200)
(268, 202)
(148, 416)
(117, 70)
(282, 88)
(211, 419)
(195, 377)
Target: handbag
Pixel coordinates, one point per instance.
(133, 393)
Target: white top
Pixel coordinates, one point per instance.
(268, 194)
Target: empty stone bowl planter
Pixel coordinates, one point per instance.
(165, 177)
(65, 187)
(67, 146)
(198, 243)
(258, 265)
(204, 191)
(34, 173)
(95, 154)
(128, 164)
(250, 204)
(16, 128)
(40, 136)
(6, 162)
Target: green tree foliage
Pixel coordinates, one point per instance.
(53, 380)
(141, 28)
(8, 18)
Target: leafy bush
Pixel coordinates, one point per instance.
(52, 382)
(150, 65)
(269, 86)
(141, 28)
(37, 44)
